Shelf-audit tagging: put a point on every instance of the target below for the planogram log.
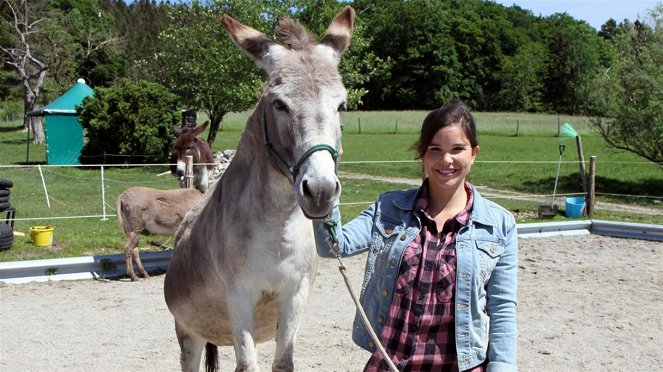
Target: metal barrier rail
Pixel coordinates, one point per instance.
(112, 266)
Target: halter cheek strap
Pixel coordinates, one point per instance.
(294, 169)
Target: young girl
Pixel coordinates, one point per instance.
(441, 274)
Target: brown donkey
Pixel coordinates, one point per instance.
(158, 212)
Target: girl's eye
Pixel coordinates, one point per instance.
(280, 106)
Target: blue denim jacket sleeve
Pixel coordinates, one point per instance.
(354, 237)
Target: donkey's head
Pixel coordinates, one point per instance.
(187, 143)
(299, 109)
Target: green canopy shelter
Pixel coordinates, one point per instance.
(64, 133)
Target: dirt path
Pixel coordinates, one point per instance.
(585, 303)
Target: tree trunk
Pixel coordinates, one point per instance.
(38, 130)
(215, 121)
(34, 122)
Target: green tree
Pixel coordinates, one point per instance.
(132, 120)
(199, 62)
(627, 100)
(523, 76)
(574, 51)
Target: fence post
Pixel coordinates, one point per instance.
(591, 194)
(103, 196)
(359, 122)
(396, 129)
(517, 127)
(581, 162)
(188, 172)
(558, 127)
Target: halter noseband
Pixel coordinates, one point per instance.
(294, 169)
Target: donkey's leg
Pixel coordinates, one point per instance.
(139, 263)
(291, 310)
(132, 243)
(191, 349)
(241, 307)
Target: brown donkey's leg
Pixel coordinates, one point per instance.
(129, 248)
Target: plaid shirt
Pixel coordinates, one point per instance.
(419, 333)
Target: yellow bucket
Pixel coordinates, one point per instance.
(42, 236)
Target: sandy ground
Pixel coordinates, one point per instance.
(585, 303)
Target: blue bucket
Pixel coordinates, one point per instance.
(575, 207)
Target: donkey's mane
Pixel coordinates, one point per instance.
(294, 35)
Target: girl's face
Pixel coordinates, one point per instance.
(448, 159)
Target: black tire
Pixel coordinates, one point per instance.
(6, 236)
(4, 206)
(5, 183)
(4, 199)
(4, 193)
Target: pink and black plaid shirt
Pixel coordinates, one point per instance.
(419, 332)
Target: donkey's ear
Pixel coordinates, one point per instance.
(177, 130)
(253, 42)
(200, 128)
(339, 32)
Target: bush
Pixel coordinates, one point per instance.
(131, 120)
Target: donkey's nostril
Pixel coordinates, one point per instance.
(306, 189)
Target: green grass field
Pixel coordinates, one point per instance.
(526, 163)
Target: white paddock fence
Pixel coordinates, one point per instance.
(63, 194)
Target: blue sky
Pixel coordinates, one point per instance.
(594, 12)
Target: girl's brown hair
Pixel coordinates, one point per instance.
(453, 113)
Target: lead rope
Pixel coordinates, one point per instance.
(330, 226)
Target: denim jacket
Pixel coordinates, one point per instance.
(486, 279)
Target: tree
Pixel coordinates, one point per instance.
(132, 120)
(574, 51)
(22, 27)
(523, 76)
(627, 99)
(199, 62)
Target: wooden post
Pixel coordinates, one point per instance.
(591, 195)
(581, 162)
(359, 122)
(188, 172)
(558, 126)
(517, 127)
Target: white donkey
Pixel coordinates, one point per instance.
(244, 259)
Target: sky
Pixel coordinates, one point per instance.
(594, 12)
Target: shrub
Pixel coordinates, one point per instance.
(128, 123)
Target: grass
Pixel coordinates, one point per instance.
(526, 163)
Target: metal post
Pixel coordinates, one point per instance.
(517, 127)
(359, 122)
(27, 155)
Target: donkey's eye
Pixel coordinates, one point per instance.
(280, 105)
(342, 107)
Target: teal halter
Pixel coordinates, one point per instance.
(294, 169)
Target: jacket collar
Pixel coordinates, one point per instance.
(480, 211)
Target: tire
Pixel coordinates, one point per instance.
(5, 183)
(4, 193)
(4, 199)
(6, 236)
(4, 206)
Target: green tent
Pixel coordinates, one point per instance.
(64, 133)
